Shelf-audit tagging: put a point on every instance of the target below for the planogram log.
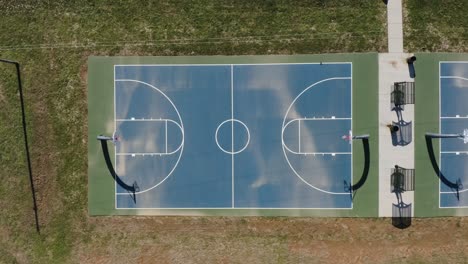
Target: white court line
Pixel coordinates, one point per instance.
(351, 141)
(322, 153)
(232, 115)
(454, 207)
(230, 208)
(299, 124)
(322, 118)
(450, 62)
(166, 135)
(440, 131)
(232, 136)
(144, 120)
(239, 64)
(453, 192)
(115, 146)
(144, 154)
(454, 77)
(150, 120)
(230, 152)
(454, 117)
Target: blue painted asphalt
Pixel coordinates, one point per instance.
(179, 125)
(454, 113)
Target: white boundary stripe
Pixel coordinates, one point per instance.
(454, 152)
(463, 62)
(283, 127)
(145, 153)
(453, 207)
(234, 64)
(231, 208)
(115, 146)
(321, 153)
(232, 137)
(350, 133)
(146, 120)
(440, 131)
(232, 115)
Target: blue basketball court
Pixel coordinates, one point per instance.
(453, 120)
(237, 136)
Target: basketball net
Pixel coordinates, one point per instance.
(348, 137)
(115, 138)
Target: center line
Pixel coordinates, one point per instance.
(232, 136)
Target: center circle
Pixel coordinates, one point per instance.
(232, 136)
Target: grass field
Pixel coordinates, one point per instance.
(52, 40)
(436, 26)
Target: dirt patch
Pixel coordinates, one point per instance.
(272, 240)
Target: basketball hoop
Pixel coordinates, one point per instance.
(348, 137)
(465, 136)
(115, 138)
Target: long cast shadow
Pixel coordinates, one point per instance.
(411, 70)
(403, 136)
(452, 185)
(130, 188)
(365, 173)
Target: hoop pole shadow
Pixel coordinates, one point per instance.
(105, 150)
(26, 145)
(430, 149)
(365, 173)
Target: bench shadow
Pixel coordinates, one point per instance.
(403, 136)
(401, 215)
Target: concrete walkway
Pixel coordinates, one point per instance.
(395, 26)
(393, 68)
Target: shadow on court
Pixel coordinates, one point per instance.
(454, 186)
(129, 188)
(365, 173)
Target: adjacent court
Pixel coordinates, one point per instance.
(453, 78)
(233, 135)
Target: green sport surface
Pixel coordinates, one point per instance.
(102, 190)
(427, 115)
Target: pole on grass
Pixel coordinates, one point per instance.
(28, 158)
